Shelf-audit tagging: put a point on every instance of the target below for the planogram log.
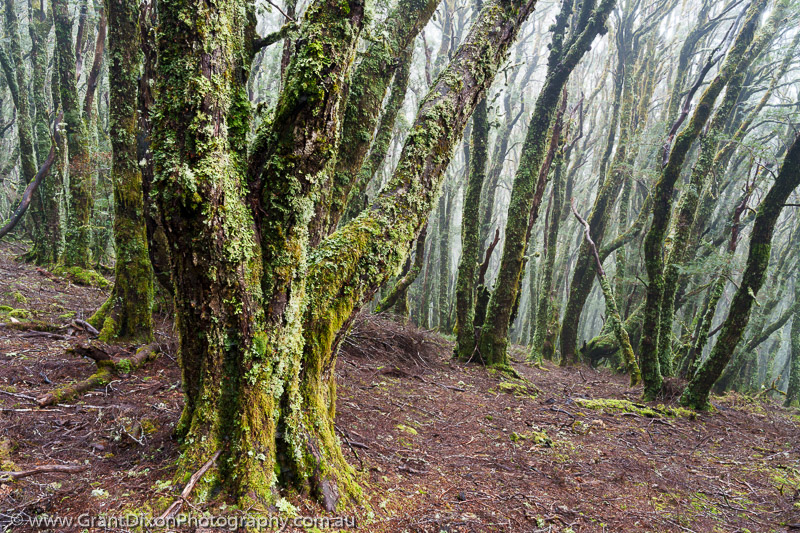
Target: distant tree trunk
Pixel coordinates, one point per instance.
(78, 233)
(48, 234)
(662, 202)
(542, 345)
(696, 393)
(701, 174)
(18, 84)
(793, 390)
(127, 314)
(564, 56)
(466, 280)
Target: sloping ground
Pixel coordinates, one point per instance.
(441, 446)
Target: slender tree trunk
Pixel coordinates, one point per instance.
(662, 202)
(78, 232)
(466, 280)
(18, 83)
(127, 314)
(563, 59)
(48, 234)
(696, 393)
(793, 390)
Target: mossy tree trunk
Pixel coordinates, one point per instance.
(383, 138)
(565, 52)
(367, 88)
(699, 181)
(467, 275)
(793, 390)
(542, 345)
(663, 199)
(259, 319)
(78, 231)
(48, 234)
(127, 314)
(18, 84)
(696, 393)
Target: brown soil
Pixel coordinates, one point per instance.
(440, 445)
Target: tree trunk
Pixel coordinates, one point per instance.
(466, 280)
(260, 319)
(78, 233)
(564, 57)
(48, 234)
(696, 393)
(127, 314)
(662, 203)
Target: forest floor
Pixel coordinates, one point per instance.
(438, 445)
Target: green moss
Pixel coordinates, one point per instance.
(20, 313)
(406, 429)
(611, 405)
(67, 316)
(5, 309)
(518, 389)
(539, 438)
(19, 298)
(5, 456)
(81, 276)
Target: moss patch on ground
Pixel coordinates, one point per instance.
(81, 276)
(610, 405)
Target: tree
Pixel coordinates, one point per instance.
(127, 314)
(260, 318)
(565, 51)
(696, 393)
(662, 201)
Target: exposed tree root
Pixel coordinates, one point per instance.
(107, 368)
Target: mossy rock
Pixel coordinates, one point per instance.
(611, 405)
(81, 276)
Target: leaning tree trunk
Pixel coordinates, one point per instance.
(663, 197)
(127, 314)
(259, 318)
(699, 181)
(696, 393)
(564, 56)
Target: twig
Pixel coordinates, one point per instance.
(43, 469)
(175, 507)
